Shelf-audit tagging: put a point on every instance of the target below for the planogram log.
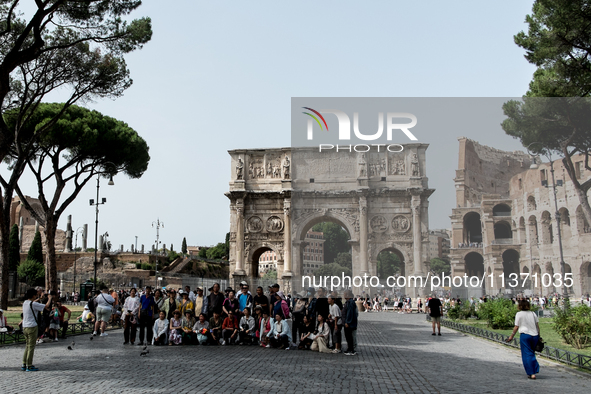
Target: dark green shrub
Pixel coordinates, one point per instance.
(31, 272)
(573, 324)
(138, 266)
(146, 266)
(498, 313)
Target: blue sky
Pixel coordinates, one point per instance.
(220, 75)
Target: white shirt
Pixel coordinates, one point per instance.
(104, 301)
(335, 312)
(29, 315)
(526, 321)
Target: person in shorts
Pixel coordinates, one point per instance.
(104, 309)
(435, 309)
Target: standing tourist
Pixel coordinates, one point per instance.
(145, 316)
(131, 308)
(231, 305)
(349, 320)
(260, 299)
(104, 308)
(335, 323)
(435, 310)
(526, 322)
(215, 300)
(200, 302)
(31, 310)
(170, 305)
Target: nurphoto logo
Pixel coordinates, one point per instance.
(344, 129)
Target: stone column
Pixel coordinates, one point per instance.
(363, 235)
(416, 231)
(287, 239)
(21, 228)
(84, 237)
(239, 238)
(100, 244)
(69, 234)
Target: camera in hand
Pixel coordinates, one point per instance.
(52, 292)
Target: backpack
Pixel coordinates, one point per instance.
(300, 306)
(92, 305)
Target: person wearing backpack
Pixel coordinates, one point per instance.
(280, 306)
(30, 325)
(299, 311)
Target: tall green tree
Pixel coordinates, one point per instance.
(388, 264)
(558, 43)
(36, 249)
(75, 46)
(336, 240)
(184, 246)
(81, 145)
(440, 266)
(14, 253)
(31, 272)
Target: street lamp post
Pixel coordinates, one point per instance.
(556, 213)
(157, 224)
(96, 204)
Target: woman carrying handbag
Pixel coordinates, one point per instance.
(527, 323)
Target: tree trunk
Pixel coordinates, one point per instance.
(50, 258)
(4, 246)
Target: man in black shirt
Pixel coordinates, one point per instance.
(215, 300)
(261, 299)
(435, 310)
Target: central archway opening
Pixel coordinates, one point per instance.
(390, 262)
(325, 248)
(264, 263)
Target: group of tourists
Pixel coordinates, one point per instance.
(312, 320)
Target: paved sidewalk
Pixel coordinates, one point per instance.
(396, 354)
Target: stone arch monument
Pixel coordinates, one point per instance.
(277, 195)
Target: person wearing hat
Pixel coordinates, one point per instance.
(280, 306)
(3, 323)
(189, 337)
(200, 302)
(244, 297)
(186, 303)
(84, 317)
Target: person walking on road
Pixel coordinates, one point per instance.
(435, 310)
(526, 322)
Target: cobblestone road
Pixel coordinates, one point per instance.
(396, 354)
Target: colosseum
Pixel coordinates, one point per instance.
(504, 225)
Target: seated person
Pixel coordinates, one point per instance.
(230, 328)
(247, 329)
(306, 329)
(160, 330)
(266, 324)
(175, 329)
(320, 342)
(280, 333)
(189, 337)
(201, 329)
(3, 322)
(215, 327)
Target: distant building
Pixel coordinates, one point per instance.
(439, 244)
(313, 252)
(313, 255)
(193, 250)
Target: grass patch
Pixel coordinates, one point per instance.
(551, 338)
(13, 314)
